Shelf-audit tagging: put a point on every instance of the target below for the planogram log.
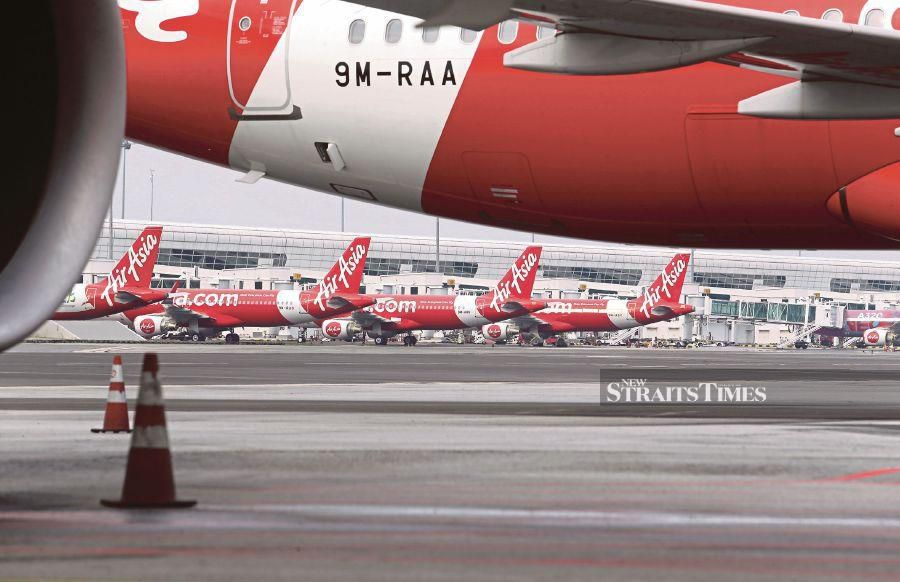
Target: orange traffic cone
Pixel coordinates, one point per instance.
(116, 417)
(149, 482)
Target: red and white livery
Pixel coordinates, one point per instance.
(391, 315)
(674, 122)
(207, 312)
(126, 287)
(661, 301)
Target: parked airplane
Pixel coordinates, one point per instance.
(660, 302)
(730, 147)
(207, 312)
(672, 122)
(875, 326)
(395, 314)
(126, 287)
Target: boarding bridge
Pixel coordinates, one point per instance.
(822, 314)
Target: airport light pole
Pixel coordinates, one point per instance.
(126, 145)
(437, 245)
(152, 176)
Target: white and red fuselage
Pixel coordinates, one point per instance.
(390, 315)
(126, 287)
(385, 111)
(661, 301)
(209, 311)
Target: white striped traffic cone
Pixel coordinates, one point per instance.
(116, 417)
(149, 481)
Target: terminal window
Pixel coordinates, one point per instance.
(219, 259)
(612, 276)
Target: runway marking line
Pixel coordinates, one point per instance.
(867, 474)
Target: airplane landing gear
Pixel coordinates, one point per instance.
(380, 341)
(410, 340)
(197, 337)
(232, 338)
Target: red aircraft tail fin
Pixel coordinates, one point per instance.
(519, 280)
(135, 268)
(667, 287)
(346, 274)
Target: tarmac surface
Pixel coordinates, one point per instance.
(459, 462)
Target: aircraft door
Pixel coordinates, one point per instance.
(259, 39)
(91, 296)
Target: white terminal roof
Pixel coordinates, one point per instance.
(231, 247)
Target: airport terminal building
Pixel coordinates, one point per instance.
(723, 285)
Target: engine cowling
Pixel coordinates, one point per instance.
(878, 337)
(340, 329)
(148, 326)
(500, 332)
(67, 67)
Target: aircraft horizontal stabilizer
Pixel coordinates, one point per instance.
(146, 296)
(344, 300)
(527, 305)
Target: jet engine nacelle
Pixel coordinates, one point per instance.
(340, 329)
(878, 337)
(153, 325)
(66, 118)
(500, 332)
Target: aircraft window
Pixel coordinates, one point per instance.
(393, 31)
(508, 31)
(467, 36)
(833, 15)
(245, 23)
(543, 31)
(430, 33)
(357, 31)
(875, 17)
(791, 13)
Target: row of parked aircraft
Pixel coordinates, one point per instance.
(342, 312)
(337, 307)
(741, 124)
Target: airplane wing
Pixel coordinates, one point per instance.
(841, 71)
(367, 319)
(183, 315)
(527, 322)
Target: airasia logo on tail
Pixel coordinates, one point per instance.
(346, 268)
(138, 254)
(667, 281)
(494, 331)
(147, 326)
(520, 272)
(333, 329)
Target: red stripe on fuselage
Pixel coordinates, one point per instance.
(178, 94)
(656, 158)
